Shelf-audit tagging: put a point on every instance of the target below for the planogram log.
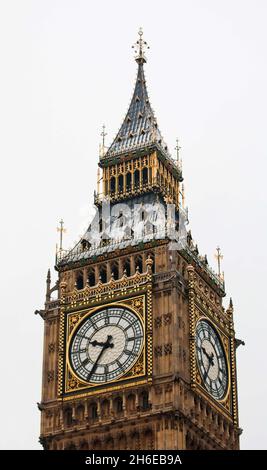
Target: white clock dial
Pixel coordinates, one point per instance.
(106, 345)
(211, 360)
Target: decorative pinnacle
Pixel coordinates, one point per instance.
(230, 309)
(103, 135)
(177, 148)
(102, 145)
(48, 277)
(219, 257)
(61, 230)
(140, 47)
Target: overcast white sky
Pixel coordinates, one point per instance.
(67, 67)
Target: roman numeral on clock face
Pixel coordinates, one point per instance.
(129, 353)
(85, 362)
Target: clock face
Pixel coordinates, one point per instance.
(106, 345)
(211, 360)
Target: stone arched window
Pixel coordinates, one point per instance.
(118, 405)
(130, 403)
(91, 277)
(152, 257)
(144, 400)
(120, 183)
(79, 280)
(93, 411)
(127, 267)
(115, 270)
(139, 263)
(68, 417)
(128, 181)
(105, 408)
(145, 175)
(112, 184)
(80, 413)
(136, 179)
(103, 273)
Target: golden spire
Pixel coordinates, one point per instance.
(61, 230)
(140, 47)
(219, 257)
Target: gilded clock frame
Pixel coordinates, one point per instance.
(200, 308)
(139, 364)
(134, 293)
(226, 350)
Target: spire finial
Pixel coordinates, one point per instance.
(177, 148)
(219, 257)
(103, 135)
(140, 47)
(102, 145)
(62, 230)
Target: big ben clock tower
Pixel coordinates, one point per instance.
(139, 352)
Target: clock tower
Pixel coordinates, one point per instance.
(139, 351)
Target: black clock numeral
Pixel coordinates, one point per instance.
(79, 351)
(119, 364)
(131, 324)
(133, 338)
(129, 353)
(85, 362)
(120, 317)
(106, 371)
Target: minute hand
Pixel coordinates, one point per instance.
(210, 357)
(106, 345)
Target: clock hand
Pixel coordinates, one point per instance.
(97, 343)
(210, 357)
(206, 372)
(106, 345)
(205, 352)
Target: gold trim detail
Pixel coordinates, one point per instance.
(71, 377)
(133, 292)
(224, 328)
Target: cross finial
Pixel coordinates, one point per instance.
(103, 134)
(102, 146)
(177, 148)
(219, 257)
(140, 47)
(61, 230)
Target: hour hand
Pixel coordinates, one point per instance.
(106, 344)
(210, 357)
(96, 343)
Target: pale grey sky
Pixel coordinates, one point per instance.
(67, 67)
